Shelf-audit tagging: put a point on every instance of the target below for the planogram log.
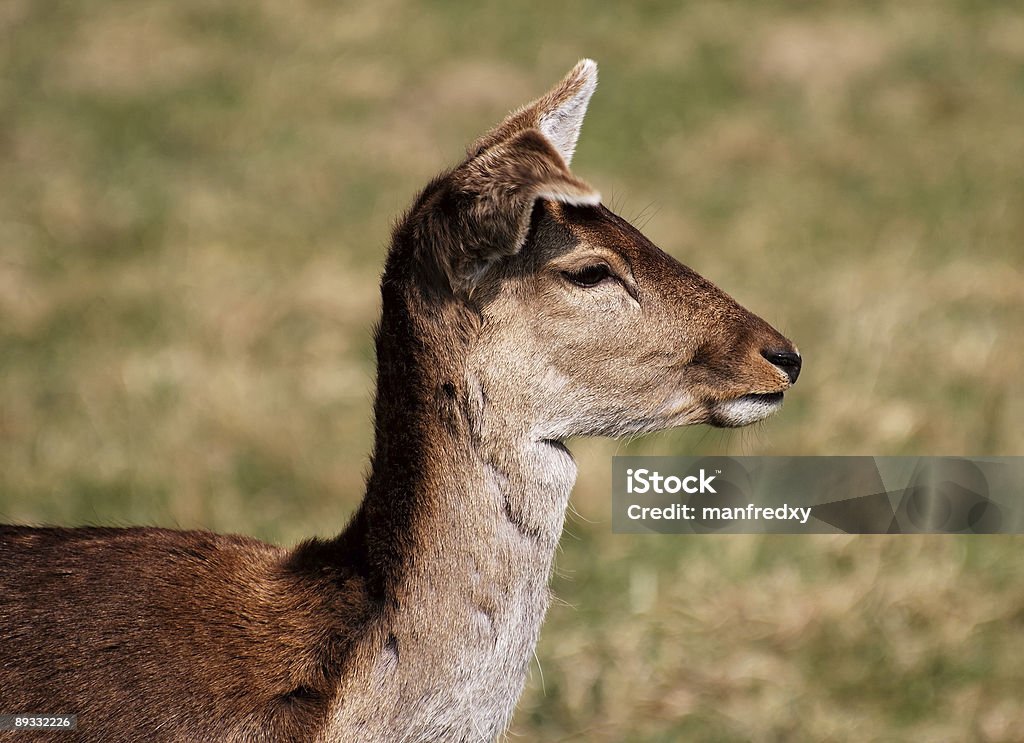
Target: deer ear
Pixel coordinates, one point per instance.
(481, 212)
(558, 114)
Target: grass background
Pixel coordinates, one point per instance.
(195, 204)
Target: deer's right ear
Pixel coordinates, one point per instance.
(481, 213)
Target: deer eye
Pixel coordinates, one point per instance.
(589, 276)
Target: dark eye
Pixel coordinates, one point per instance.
(589, 276)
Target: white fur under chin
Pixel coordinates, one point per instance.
(745, 410)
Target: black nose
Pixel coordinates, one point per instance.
(788, 361)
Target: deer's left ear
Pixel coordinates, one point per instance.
(479, 213)
(558, 114)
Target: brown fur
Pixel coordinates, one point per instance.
(418, 621)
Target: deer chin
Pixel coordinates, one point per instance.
(742, 411)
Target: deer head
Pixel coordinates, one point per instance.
(582, 325)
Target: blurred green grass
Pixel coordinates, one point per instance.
(196, 200)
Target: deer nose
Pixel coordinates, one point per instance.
(788, 361)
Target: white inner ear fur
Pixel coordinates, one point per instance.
(562, 125)
(574, 199)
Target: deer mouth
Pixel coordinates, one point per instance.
(767, 398)
(746, 409)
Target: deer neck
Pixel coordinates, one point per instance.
(457, 471)
(458, 529)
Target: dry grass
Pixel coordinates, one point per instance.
(195, 205)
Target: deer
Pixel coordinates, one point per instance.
(518, 312)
